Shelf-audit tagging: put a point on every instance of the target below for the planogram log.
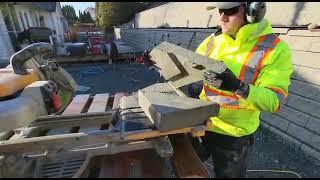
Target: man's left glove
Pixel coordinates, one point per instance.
(229, 82)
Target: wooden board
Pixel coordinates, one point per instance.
(185, 160)
(99, 103)
(77, 104)
(133, 165)
(117, 98)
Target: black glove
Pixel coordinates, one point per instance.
(229, 82)
(146, 59)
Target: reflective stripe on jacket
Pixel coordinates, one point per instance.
(258, 57)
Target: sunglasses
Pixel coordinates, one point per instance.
(229, 12)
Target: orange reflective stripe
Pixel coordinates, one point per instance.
(278, 90)
(281, 95)
(230, 106)
(207, 88)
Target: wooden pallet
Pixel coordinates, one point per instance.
(57, 134)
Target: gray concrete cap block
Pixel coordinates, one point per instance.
(174, 112)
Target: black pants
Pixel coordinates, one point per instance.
(229, 154)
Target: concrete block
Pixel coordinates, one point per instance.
(314, 125)
(161, 88)
(311, 151)
(274, 120)
(302, 43)
(308, 59)
(128, 102)
(170, 58)
(294, 116)
(168, 113)
(296, 144)
(304, 89)
(304, 135)
(303, 104)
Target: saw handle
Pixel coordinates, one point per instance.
(19, 59)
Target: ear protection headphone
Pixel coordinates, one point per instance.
(255, 11)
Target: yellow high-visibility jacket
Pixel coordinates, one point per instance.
(258, 57)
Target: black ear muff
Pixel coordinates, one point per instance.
(255, 11)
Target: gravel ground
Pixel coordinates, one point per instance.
(269, 152)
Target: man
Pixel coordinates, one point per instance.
(257, 79)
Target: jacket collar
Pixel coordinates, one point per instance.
(250, 32)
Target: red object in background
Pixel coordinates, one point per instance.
(56, 102)
(95, 40)
(96, 50)
(139, 60)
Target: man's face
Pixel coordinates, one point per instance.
(231, 20)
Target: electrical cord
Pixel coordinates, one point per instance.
(264, 170)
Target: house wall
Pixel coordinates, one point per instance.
(52, 20)
(6, 49)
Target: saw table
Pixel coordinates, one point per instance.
(87, 140)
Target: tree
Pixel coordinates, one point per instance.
(109, 14)
(69, 13)
(85, 17)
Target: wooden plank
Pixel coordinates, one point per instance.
(99, 103)
(306, 74)
(133, 165)
(302, 43)
(309, 59)
(117, 98)
(304, 33)
(304, 89)
(185, 160)
(305, 105)
(77, 104)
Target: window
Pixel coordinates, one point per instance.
(42, 24)
(37, 22)
(25, 15)
(34, 18)
(21, 18)
(10, 17)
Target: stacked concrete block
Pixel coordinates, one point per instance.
(195, 15)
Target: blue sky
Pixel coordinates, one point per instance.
(79, 5)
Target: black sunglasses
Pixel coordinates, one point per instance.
(229, 12)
